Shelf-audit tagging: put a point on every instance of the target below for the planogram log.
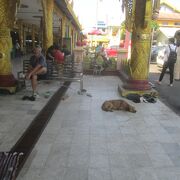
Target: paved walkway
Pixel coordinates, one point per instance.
(17, 114)
(82, 142)
(169, 95)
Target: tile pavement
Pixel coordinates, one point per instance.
(17, 114)
(82, 142)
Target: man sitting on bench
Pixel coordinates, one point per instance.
(37, 67)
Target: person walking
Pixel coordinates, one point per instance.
(170, 56)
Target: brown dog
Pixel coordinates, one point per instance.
(117, 105)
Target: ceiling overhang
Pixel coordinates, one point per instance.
(31, 12)
(66, 9)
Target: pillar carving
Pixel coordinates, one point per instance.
(48, 7)
(141, 38)
(63, 26)
(141, 43)
(7, 18)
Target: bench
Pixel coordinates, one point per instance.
(68, 71)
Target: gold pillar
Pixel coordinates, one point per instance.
(63, 26)
(7, 18)
(141, 42)
(48, 6)
(141, 37)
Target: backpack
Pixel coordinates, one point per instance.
(172, 56)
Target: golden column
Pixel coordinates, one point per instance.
(63, 26)
(7, 18)
(48, 7)
(139, 23)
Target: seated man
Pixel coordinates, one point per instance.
(38, 66)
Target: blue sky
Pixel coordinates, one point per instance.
(89, 11)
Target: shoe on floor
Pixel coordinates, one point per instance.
(158, 82)
(170, 85)
(36, 95)
(32, 98)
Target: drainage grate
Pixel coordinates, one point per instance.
(8, 165)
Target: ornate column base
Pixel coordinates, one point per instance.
(137, 85)
(124, 92)
(129, 86)
(8, 82)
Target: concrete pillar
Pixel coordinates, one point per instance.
(7, 19)
(78, 54)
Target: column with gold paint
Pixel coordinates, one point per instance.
(63, 26)
(48, 6)
(7, 18)
(141, 40)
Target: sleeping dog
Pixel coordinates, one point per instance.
(117, 105)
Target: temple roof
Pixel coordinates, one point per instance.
(169, 16)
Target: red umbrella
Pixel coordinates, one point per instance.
(95, 32)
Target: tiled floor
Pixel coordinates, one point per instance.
(82, 142)
(16, 114)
